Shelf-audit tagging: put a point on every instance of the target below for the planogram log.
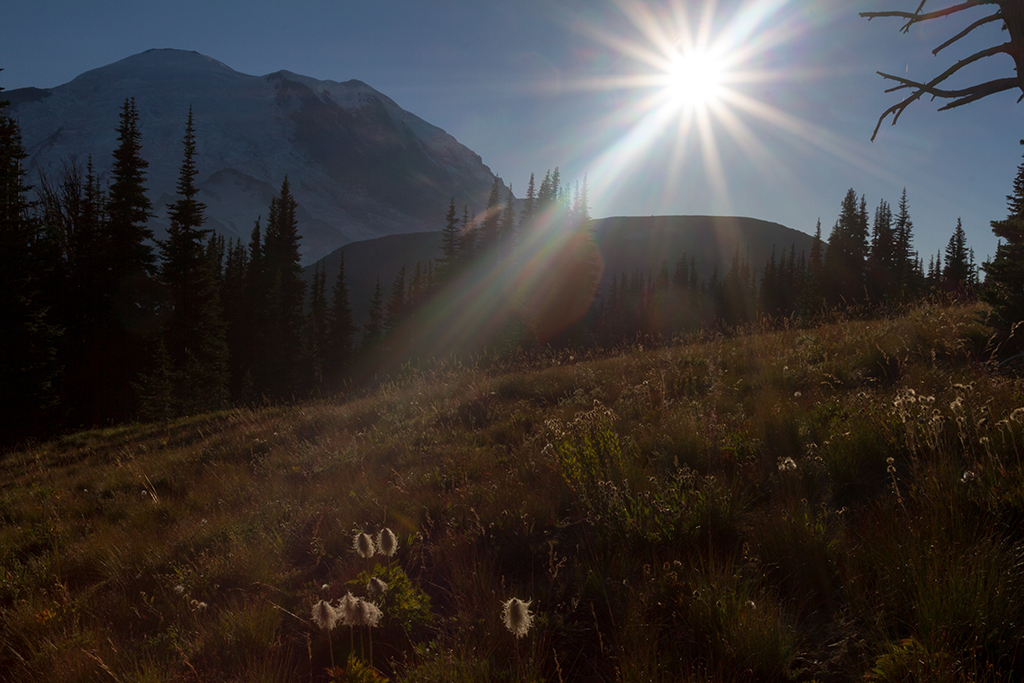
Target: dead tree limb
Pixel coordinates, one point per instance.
(1009, 12)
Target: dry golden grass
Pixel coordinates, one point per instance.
(824, 503)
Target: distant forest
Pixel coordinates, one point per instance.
(103, 324)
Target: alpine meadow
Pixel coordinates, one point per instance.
(293, 387)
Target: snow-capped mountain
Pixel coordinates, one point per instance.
(359, 165)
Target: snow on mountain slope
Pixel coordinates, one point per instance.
(359, 165)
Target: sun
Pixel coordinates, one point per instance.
(694, 80)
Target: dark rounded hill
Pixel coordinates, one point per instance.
(626, 244)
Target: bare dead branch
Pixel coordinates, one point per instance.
(998, 16)
(917, 17)
(983, 90)
(1009, 12)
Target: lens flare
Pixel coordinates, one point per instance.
(694, 80)
(687, 86)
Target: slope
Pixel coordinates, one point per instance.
(359, 165)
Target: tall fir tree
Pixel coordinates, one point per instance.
(374, 327)
(316, 327)
(907, 264)
(546, 194)
(881, 265)
(132, 266)
(529, 208)
(1003, 288)
(29, 368)
(286, 296)
(507, 222)
(86, 303)
(341, 329)
(956, 277)
(395, 307)
(844, 262)
(234, 303)
(193, 331)
(256, 324)
(488, 232)
(451, 245)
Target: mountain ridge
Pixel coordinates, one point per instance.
(359, 165)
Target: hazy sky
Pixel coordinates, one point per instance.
(532, 84)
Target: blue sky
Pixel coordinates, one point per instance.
(530, 85)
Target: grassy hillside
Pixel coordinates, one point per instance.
(839, 503)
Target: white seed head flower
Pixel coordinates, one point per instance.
(179, 589)
(363, 544)
(968, 476)
(517, 617)
(387, 543)
(347, 609)
(787, 465)
(197, 606)
(324, 615)
(365, 613)
(376, 586)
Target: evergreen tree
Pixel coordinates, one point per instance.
(906, 262)
(556, 197)
(880, 272)
(87, 300)
(1003, 289)
(255, 323)
(317, 327)
(396, 304)
(132, 265)
(193, 333)
(374, 328)
(844, 262)
(816, 258)
(469, 237)
(286, 295)
(451, 243)
(128, 207)
(341, 328)
(488, 232)
(28, 340)
(526, 213)
(235, 304)
(581, 209)
(546, 194)
(414, 295)
(771, 293)
(957, 274)
(507, 223)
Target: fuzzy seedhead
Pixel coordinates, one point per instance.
(347, 609)
(376, 586)
(360, 612)
(517, 616)
(387, 543)
(363, 544)
(324, 615)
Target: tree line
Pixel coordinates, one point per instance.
(104, 323)
(866, 262)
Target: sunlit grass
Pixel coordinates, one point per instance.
(820, 503)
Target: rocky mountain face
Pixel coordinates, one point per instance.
(359, 165)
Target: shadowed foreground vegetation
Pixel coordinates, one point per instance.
(838, 503)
